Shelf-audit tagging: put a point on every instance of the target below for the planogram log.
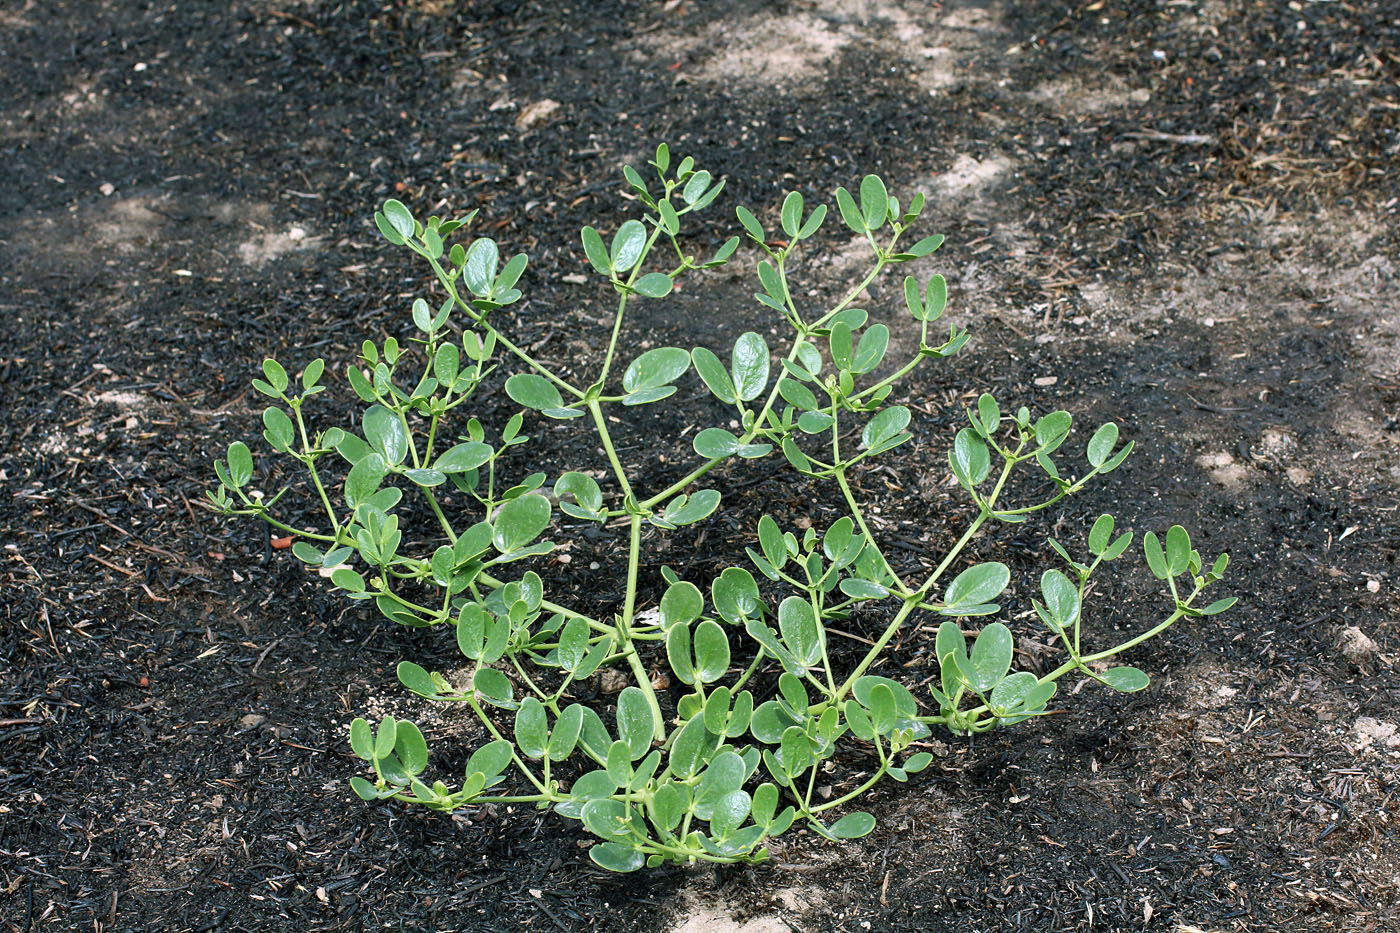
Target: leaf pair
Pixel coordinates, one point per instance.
(396, 748)
(648, 378)
(1176, 558)
(984, 666)
(701, 658)
(747, 375)
(874, 210)
(628, 244)
(536, 738)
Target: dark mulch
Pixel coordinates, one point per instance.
(188, 189)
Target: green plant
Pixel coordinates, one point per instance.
(735, 760)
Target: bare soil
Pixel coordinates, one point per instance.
(1178, 215)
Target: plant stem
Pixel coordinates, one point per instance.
(889, 380)
(913, 599)
(276, 523)
(534, 688)
(311, 467)
(423, 610)
(624, 629)
(814, 598)
(1117, 649)
(601, 627)
(432, 438)
(596, 410)
(437, 510)
(743, 678)
(899, 584)
(787, 292)
(811, 785)
(874, 779)
(855, 292)
(480, 318)
(1069, 490)
(622, 307)
(532, 798)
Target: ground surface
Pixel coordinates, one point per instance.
(1180, 215)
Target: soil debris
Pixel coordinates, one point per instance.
(1178, 216)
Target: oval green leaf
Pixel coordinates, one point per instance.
(749, 365)
(634, 721)
(681, 604)
(853, 825)
(519, 522)
(614, 856)
(978, 584)
(874, 202)
(533, 391)
(1102, 443)
(653, 285)
(627, 245)
(655, 368)
(1126, 679)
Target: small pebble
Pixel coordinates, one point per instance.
(1358, 649)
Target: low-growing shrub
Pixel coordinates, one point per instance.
(715, 770)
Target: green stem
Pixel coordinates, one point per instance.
(787, 292)
(753, 666)
(437, 510)
(596, 411)
(1069, 490)
(432, 438)
(889, 380)
(900, 586)
(418, 463)
(624, 628)
(811, 785)
(408, 604)
(661, 848)
(874, 779)
(310, 462)
(480, 318)
(856, 292)
(276, 523)
(622, 306)
(408, 433)
(814, 598)
(533, 798)
(875, 651)
(601, 627)
(612, 340)
(912, 600)
(534, 688)
(1153, 632)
